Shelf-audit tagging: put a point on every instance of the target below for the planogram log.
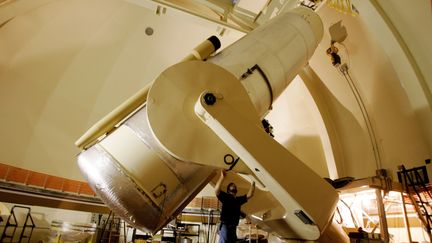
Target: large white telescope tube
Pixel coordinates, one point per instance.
(158, 159)
(274, 54)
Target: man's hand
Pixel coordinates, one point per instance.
(223, 173)
(251, 190)
(219, 182)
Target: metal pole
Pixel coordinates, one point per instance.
(209, 220)
(382, 216)
(407, 226)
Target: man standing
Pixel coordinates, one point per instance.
(230, 213)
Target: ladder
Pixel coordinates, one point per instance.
(12, 224)
(111, 229)
(415, 187)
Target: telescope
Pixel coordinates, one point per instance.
(152, 155)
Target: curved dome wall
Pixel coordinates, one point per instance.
(66, 64)
(399, 137)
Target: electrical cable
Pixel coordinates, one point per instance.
(340, 216)
(346, 52)
(351, 213)
(343, 69)
(162, 207)
(365, 114)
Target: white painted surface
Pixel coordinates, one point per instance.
(66, 64)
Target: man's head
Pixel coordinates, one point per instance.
(232, 189)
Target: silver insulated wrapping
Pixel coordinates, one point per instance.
(148, 187)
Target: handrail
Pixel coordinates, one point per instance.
(424, 216)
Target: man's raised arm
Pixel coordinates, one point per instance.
(219, 183)
(251, 190)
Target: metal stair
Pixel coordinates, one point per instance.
(12, 224)
(110, 232)
(415, 186)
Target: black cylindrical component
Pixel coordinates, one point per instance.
(209, 99)
(215, 41)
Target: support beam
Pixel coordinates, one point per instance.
(382, 216)
(20, 194)
(406, 221)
